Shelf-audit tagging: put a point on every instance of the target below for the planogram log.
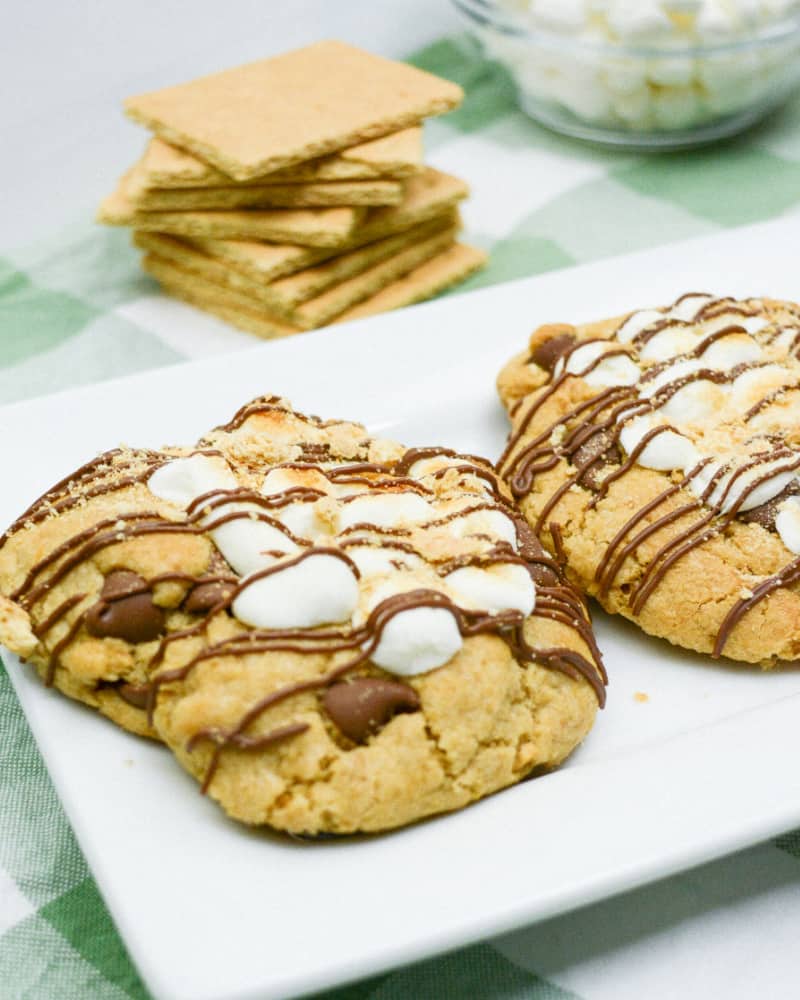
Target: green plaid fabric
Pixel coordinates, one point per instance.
(77, 310)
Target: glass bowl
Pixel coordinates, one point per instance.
(667, 94)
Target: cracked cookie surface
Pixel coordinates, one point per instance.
(332, 632)
(659, 453)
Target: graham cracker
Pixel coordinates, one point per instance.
(285, 294)
(320, 310)
(261, 261)
(398, 154)
(309, 195)
(392, 156)
(321, 227)
(427, 196)
(277, 112)
(317, 311)
(246, 320)
(175, 281)
(425, 281)
(305, 284)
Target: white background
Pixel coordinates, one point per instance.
(65, 68)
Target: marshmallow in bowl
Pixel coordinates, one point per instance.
(645, 65)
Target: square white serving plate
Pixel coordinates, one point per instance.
(212, 911)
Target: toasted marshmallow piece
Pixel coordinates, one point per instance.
(502, 587)
(694, 402)
(282, 479)
(185, 479)
(318, 590)
(245, 542)
(672, 373)
(372, 561)
(485, 522)
(667, 450)
(637, 323)
(752, 386)
(385, 510)
(689, 306)
(614, 370)
(669, 343)
(727, 352)
(787, 524)
(242, 541)
(301, 519)
(731, 487)
(417, 640)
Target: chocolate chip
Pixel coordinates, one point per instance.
(766, 513)
(363, 706)
(125, 610)
(600, 450)
(535, 555)
(205, 596)
(135, 694)
(547, 353)
(122, 583)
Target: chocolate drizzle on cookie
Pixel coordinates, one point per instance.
(587, 442)
(358, 696)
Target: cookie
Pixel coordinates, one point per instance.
(333, 633)
(396, 155)
(659, 453)
(319, 194)
(278, 112)
(315, 227)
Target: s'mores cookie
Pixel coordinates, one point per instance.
(659, 452)
(331, 631)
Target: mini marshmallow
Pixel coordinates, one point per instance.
(245, 542)
(504, 586)
(385, 510)
(689, 307)
(729, 489)
(638, 323)
(615, 370)
(417, 640)
(787, 524)
(666, 451)
(669, 343)
(373, 561)
(727, 352)
(694, 402)
(484, 522)
(319, 590)
(184, 479)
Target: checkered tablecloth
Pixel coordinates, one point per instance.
(77, 309)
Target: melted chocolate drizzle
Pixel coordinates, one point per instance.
(587, 439)
(212, 593)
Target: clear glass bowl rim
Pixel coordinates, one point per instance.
(489, 13)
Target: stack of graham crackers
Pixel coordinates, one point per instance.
(290, 193)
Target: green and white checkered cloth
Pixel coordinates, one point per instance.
(77, 309)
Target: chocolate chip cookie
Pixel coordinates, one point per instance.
(659, 453)
(330, 631)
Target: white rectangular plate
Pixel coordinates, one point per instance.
(211, 910)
